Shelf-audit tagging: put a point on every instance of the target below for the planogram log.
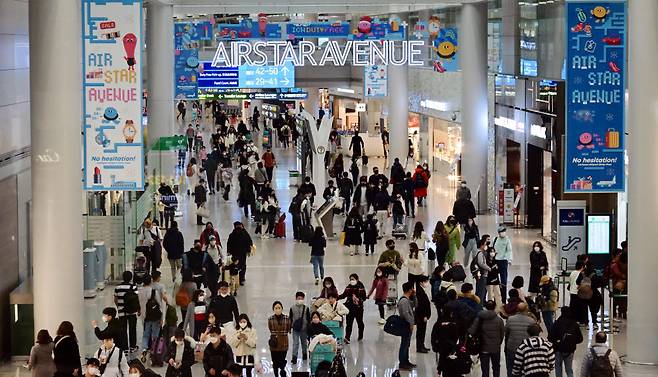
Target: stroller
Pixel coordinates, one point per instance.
(140, 268)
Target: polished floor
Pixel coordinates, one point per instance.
(281, 267)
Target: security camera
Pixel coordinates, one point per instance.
(453, 117)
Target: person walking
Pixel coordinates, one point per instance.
(516, 331)
(380, 288)
(503, 246)
(454, 239)
(269, 161)
(370, 234)
(463, 192)
(480, 269)
(471, 238)
(300, 317)
(41, 360)
(390, 261)
(538, 267)
(600, 360)
(200, 200)
(217, 355)
(547, 301)
(352, 229)
(535, 356)
(565, 335)
(405, 308)
(180, 355)
(247, 193)
(244, 340)
(152, 309)
(113, 363)
(127, 301)
(407, 192)
(279, 325)
(362, 196)
(295, 210)
(357, 146)
(445, 343)
(442, 241)
(422, 313)
(493, 277)
(354, 295)
(421, 182)
(463, 209)
(489, 328)
(345, 191)
(239, 246)
(224, 306)
(318, 244)
(414, 264)
(66, 353)
(174, 245)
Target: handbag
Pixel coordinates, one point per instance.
(272, 342)
(203, 211)
(396, 325)
(341, 241)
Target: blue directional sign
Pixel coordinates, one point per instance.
(246, 76)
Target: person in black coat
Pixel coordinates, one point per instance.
(218, 355)
(445, 339)
(463, 210)
(565, 336)
(114, 328)
(211, 165)
(224, 305)
(407, 192)
(239, 246)
(200, 198)
(184, 367)
(352, 229)
(193, 261)
(66, 352)
(247, 194)
(422, 313)
(538, 266)
(174, 245)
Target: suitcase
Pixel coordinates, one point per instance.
(400, 231)
(307, 233)
(280, 227)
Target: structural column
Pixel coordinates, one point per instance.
(473, 60)
(55, 128)
(312, 102)
(642, 181)
(160, 70)
(398, 110)
(510, 51)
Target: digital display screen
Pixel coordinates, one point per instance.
(598, 234)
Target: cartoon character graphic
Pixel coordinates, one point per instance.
(110, 114)
(434, 26)
(364, 27)
(101, 139)
(445, 45)
(420, 29)
(129, 44)
(585, 140)
(129, 131)
(262, 24)
(600, 13)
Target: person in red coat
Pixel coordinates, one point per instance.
(421, 181)
(207, 232)
(380, 288)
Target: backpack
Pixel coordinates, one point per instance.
(585, 291)
(153, 310)
(440, 294)
(475, 268)
(183, 298)
(131, 302)
(189, 171)
(431, 254)
(419, 181)
(601, 365)
(295, 207)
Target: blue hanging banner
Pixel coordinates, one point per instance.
(259, 28)
(204, 30)
(596, 56)
(186, 60)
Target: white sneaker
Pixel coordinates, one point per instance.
(381, 321)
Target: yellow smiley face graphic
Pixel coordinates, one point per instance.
(446, 50)
(599, 12)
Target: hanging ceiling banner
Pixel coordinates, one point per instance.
(112, 85)
(596, 56)
(259, 28)
(318, 30)
(186, 60)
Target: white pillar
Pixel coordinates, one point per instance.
(643, 201)
(398, 110)
(56, 125)
(473, 60)
(312, 102)
(160, 70)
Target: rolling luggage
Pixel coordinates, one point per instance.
(280, 227)
(140, 269)
(400, 231)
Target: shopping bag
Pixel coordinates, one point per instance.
(203, 212)
(341, 241)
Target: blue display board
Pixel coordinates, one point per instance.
(186, 60)
(318, 30)
(445, 48)
(596, 55)
(259, 28)
(246, 76)
(204, 30)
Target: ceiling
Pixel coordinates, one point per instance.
(184, 7)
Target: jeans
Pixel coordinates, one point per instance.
(509, 362)
(502, 270)
(299, 337)
(397, 219)
(494, 358)
(481, 288)
(548, 319)
(318, 266)
(151, 332)
(382, 216)
(567, 359)
(410, 206)
(470, 251)
(403, 354)
(176, 265)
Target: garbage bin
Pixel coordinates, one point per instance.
(21, 324)
(89, 273)
(101, 261)
(295, 178)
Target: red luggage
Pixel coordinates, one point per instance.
(280, 227)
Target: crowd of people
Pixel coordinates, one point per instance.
(201, 322)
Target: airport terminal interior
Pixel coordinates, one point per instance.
(303, 188)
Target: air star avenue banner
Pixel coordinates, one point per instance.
(596, 55)
(112, 84)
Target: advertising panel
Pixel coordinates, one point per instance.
(259, 28)
(112, 85)
(375, 81)
(318, 30)
(596, 54)
(571, 229)
(186, 60)
(246, 76)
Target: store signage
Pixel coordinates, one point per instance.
(571, 229)
(445, 46)
(248, 28)
(246, 77)
(510, 124)
(538, 131)
(596, 55)
(361, 53)
(318, 30)
(112, 85)
(375, 80)
(360, 107)
(186, 60)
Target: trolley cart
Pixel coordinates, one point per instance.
(392, 298)
(336, 328)
(321, 352)
(400, 231)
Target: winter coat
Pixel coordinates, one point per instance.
(318, 244)
(420, 192)
(174, 244)
(516, 330)
(600, 350)
(334, 312)
(41, 360)
(463, 210)
(352, 229)
(370, 231)
(239, 243)
(185, 369)
(380, 287)
(491, 330)
(538, 268)
(225, 308)
(217, 358)
(454, 241)
(279, 327)
(244, 350)
(390, 261)
(381, 200)
(354, 296)
(247, 194)
(204, 238)
(66, 355)
(200, 194)
(116, 330)
(565, 334)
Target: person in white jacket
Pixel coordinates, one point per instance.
(113, 363)
(243, 341)
(332, 310)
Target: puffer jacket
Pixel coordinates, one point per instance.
(516, 330)
(491, 329)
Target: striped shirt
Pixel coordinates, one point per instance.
(119, 293)
(534, 357)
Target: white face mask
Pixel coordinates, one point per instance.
(213, 339)
(106, 319)
(211, 320)
(536, 248)
(202, 297)
(133, 375)
(223, 294)
(300, 302)
(502, 234)
(327, 285)
(180, 342)
(352, 282)
(243, 325)
(379, 274)
(93, 371)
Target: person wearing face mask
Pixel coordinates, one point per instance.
(194, 261)
(332, 310)
(211, 321)
(137, 369)
(316, 327)
(454, 239)
(503, 246)
(114, 328)
(218, 355)
(195, 318)
(224, 305)
(471, 238)
(213, 263)
(300, 317)
(538, 267)
(380, 288)
(200, 199)
(328, 287)
(180, 355)
(208, 231)
(480, 269)
(406, 307)
(493, 277)
(244, 340)
(421, 182)
(279, 325)
(463, 192)
(422, 313)
(362, 196)
(112, 361)
(92, 367)
(354, 294)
